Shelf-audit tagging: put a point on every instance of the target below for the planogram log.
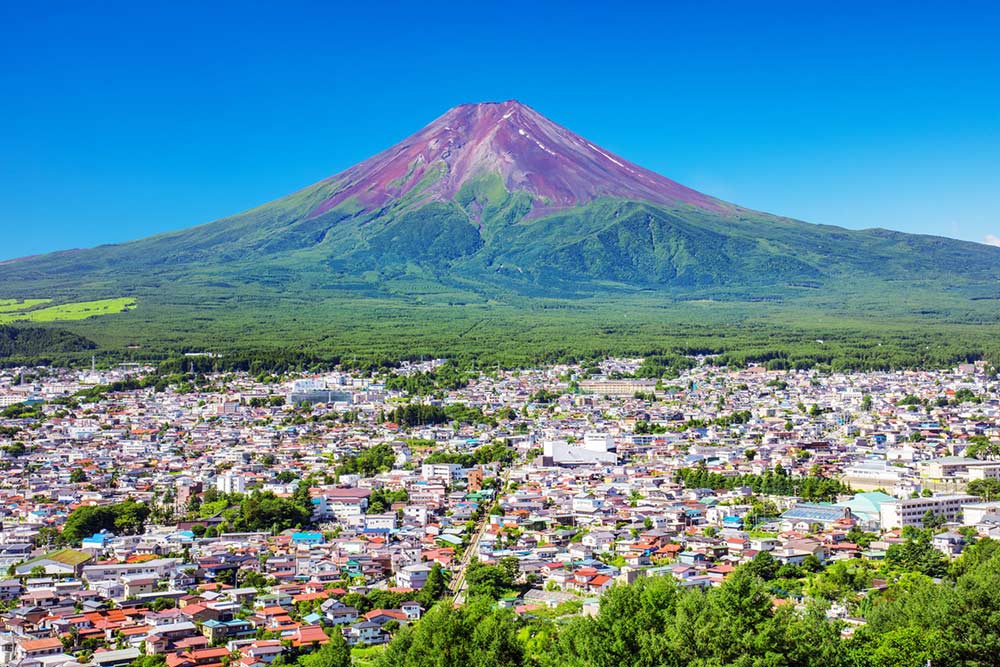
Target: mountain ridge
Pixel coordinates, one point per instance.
(498, 202)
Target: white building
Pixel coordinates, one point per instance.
(347, 505)
(911, 511)
(586, 503)
(443, 471)
(598, 442)
(380, 523)
(7, 400)
(871, 475)
(975, 513)
(413, 576)
(230, 483)
(562, 453)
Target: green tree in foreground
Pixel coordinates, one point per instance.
(434, 587)
(476, 634)
(335, 653)
(654, 623)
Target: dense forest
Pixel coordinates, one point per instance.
(483, 338)
(39, 343)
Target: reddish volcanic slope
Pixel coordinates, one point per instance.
(530, 152)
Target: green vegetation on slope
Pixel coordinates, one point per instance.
(479, 279)
(37, 342)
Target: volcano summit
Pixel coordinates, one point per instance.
(530, 153)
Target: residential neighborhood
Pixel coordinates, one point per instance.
(229, 517)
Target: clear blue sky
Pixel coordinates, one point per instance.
(121, 119)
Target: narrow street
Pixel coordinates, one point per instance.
(458, 583)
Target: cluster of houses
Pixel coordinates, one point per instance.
(593, 496)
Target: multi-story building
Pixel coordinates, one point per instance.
(231, 483)
(911, 511)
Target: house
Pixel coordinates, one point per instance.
(166, 636)
(307, 538)
(10, 589)
(158, 567)
(365, 632)
(413, 576)
(413, 610)
(136, 586)
(691, 558)
(33, 649)
(202, 657)
(383, 616)
(119, 658)
(309, 636)
(599, 540)
(338, 613)
(263, 651)
(62, 563)
(949, 543)
(219, 631)
(599, 584)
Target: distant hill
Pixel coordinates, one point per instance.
(495, 204)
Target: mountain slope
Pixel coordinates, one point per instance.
(498, 202)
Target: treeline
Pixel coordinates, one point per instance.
(39, 342)
(254, 511)
(124, 518)
(854, 353)
(773, 482)
(418, 414)
(368, 462)
(664, 366)
(664, 355)
(253, 362)
(446, 377)
(491, 453)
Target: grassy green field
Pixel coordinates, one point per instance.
(27, 311)
(19, 305)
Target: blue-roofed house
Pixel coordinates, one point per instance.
(310, 537)
(95, 542)
(691, 558)
(803, 516)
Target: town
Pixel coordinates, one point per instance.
(210, 519)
